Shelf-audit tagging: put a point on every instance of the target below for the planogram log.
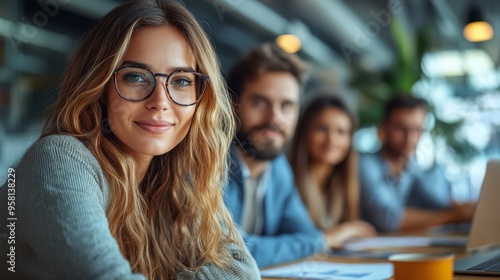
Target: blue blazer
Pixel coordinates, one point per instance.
(288, 232)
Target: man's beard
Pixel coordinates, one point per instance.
(267, 152)
(398, 154)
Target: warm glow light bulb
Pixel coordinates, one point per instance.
(289, 43)
(478, 31)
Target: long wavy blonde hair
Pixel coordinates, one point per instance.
(175, 219)
(338, 200)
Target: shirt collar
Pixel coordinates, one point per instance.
(245, 171)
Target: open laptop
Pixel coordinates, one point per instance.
(484, 238)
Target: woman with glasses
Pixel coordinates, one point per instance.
(325, 169)
(125, 181)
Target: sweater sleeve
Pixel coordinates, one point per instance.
(61, 212)
(242, 266)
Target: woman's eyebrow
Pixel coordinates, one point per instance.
(185, 68)
(145, 66)
(136, 64)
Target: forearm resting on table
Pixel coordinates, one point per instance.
(419, 218)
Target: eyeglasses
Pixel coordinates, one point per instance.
(183, 87)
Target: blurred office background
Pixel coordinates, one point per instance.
(361, 49)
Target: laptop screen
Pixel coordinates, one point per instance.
(485, 230)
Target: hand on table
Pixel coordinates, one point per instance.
(463, 212)
(337, 235)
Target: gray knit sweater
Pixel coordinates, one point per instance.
(59, 223)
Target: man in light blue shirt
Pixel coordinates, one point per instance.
(261, 193)
(395, 193)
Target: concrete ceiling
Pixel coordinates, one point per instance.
(334, 33)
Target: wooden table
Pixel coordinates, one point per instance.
(459, 253)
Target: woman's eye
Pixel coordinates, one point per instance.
(181, 82)
(134, 78)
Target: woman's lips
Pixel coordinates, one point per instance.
(154, 126)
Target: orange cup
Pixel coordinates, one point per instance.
(422, 266)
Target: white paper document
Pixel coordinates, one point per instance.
(404, 241)
(315, 270)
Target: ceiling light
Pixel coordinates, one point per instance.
(289, 43)
(477, 29)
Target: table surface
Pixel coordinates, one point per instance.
(459, 253)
